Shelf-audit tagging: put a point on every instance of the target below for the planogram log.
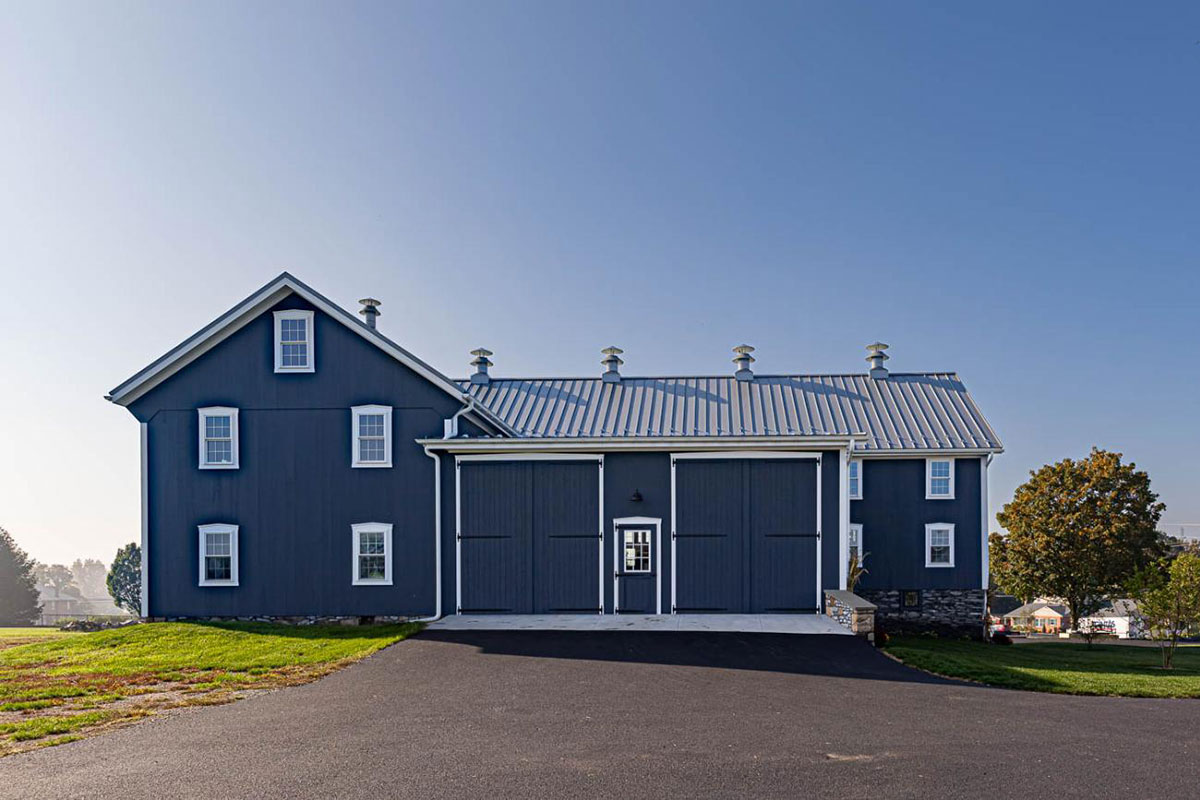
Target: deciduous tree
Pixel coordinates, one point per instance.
(1078, 530)
(125, 578)
(1169, 603)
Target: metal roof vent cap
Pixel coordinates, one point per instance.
(612, 362)
(743, 359)
(370, 310)
(481, 364)
(876, 358)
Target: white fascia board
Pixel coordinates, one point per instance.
(673, 444)
(240, 315)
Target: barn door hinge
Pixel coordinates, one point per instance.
(672, 536)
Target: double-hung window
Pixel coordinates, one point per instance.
(854, 537)
(939, 544)
(855, 486)
(218, 438)
(294, 341)
(371, 442)
(637, 551)
(372, 554)
(939, 479)
(219, 555)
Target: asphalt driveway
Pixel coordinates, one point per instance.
(635, 714)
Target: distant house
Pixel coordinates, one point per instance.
(1120, 618)
(58, 607)
(1037, 617)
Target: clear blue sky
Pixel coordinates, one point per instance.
(1009, 190)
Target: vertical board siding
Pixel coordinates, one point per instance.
(894, 512)
(649, 474)
(295, 494)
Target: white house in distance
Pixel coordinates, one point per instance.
(1037, 617)
(1119, 619)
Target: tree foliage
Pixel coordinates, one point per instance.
(18, 589)
(1169, 602)
(125, 578)
(90, 575)
(1078, 530)
(57, 576)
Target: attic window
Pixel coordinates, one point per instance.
(294, 341)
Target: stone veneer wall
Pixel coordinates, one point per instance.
(946, 610)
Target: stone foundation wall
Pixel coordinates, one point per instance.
(957, 611)
(851, 612)
(292, 620)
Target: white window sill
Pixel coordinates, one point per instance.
(218, 466)
(363, 582)
(939, 497)
(280, 370)
(218, 583)
(939, 566)
(372, 465)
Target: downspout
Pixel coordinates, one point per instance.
(450, 428)
(437, 533)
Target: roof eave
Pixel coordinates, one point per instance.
(237, 317)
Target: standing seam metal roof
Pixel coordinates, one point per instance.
(906, 411)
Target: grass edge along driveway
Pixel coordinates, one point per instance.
(1058, 667)
(66, 687)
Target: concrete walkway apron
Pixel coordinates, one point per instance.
(731, 623)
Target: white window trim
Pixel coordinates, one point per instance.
(232, 530)
(858, 463)
(311, 366)
(218, 411)
(929, 495)
(371, 527)
(855, 527)
(928, 536)
(358, 411)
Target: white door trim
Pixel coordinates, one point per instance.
(738, 455)
(630, 522)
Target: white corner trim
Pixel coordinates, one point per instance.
(929, 529)
(219, 527)
(145, 565)
(929, 495)
(310, 360)
(844, 519)
(356, 412)
(371, 527)
(985, 567)
(218, 411)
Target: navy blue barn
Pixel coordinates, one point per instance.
(298, 463)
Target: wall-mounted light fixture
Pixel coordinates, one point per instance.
(636, 497)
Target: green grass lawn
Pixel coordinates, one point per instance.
(57, 687)
(11, 637)
(1067, 668)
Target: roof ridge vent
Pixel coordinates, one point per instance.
(370, 310)
(612, 362)
(481, 363)
(743, 359)
(875, 358)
